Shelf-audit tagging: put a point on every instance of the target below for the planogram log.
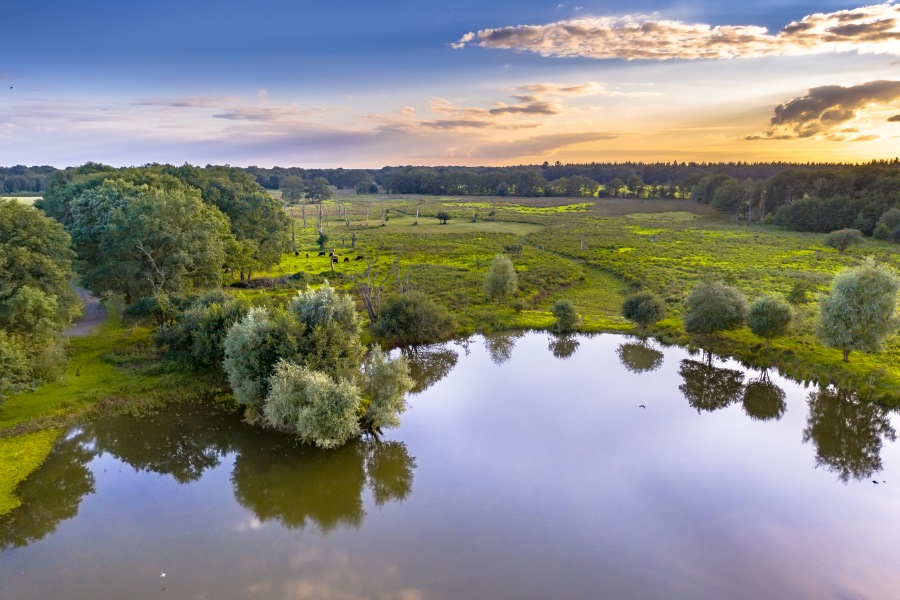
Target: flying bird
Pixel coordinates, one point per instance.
(642, 406)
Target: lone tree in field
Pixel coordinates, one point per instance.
(644, 309)
(566, 316)
(443, 216)
(860, 310)
(713, 307)
(770, 317)
(842, 239)
(501, 279)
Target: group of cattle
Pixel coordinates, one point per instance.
(334, 257)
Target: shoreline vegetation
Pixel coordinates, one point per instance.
(588, 252)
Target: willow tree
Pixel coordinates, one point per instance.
(860, 310)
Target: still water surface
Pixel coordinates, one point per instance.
(525, 468)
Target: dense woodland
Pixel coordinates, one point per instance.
(802, 197)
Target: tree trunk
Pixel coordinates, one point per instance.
(846, 355)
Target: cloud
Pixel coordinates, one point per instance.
(835, 112)
(894, 119)
(534, 146)
(872, 29)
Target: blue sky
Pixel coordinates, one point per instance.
(462, 82)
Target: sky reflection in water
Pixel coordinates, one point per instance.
(525, 468)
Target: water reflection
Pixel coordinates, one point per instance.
(563, 346)
(638, 357)
(763, 400)
(429, 364)
(301, 485)
(847, 433)
(52, 494)
(500, 345)
(710, 388)
(182, 441)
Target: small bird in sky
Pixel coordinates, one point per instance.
(642, 406)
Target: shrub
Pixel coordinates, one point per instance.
(770, 317)
(197, 339)
(644, 309)
(712, 307)
(566, 316)
(882, 232)
(412, 318)
(501, 279)
(842, 239)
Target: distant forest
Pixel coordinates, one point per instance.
(818, 197)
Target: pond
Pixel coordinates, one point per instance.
(527, 466)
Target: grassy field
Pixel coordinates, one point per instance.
(594, 252)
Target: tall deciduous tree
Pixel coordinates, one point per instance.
(860, 311)
(157, 241)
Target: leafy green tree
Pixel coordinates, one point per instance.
(412, 319)
(15, 370)
(251, 351)
(385, 385)
(500, 280)
(318, 409)
(712, 307)
(890, 219)
(566, 316)
(882, 232)
(318, 190)
(292, 188)
(644, 309)
(859, 312)
(614, 186)
(443, 216)
(143, 241)
(730, 197)
(35, 270)
(500, 345)
(770, 317)
(842, 239)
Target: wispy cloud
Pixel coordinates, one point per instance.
(538, 145)
(874, 29)
(836, 113)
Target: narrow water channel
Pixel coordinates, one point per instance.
(526, 467)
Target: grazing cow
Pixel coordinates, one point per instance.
(307, 255)
(346, 259)
(322, 253)
(360, 257)
(296, 254)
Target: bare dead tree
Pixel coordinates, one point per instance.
(372, 282)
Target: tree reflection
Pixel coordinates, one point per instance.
(847, 433)
(709, 388)
(390, 471)
(763, 400)
(51, 494)
(428, 365)
(563, 346)
(500, 345)
(181, 440)
(301, 485)
(639, 357)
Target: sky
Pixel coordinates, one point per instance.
(363, 84)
